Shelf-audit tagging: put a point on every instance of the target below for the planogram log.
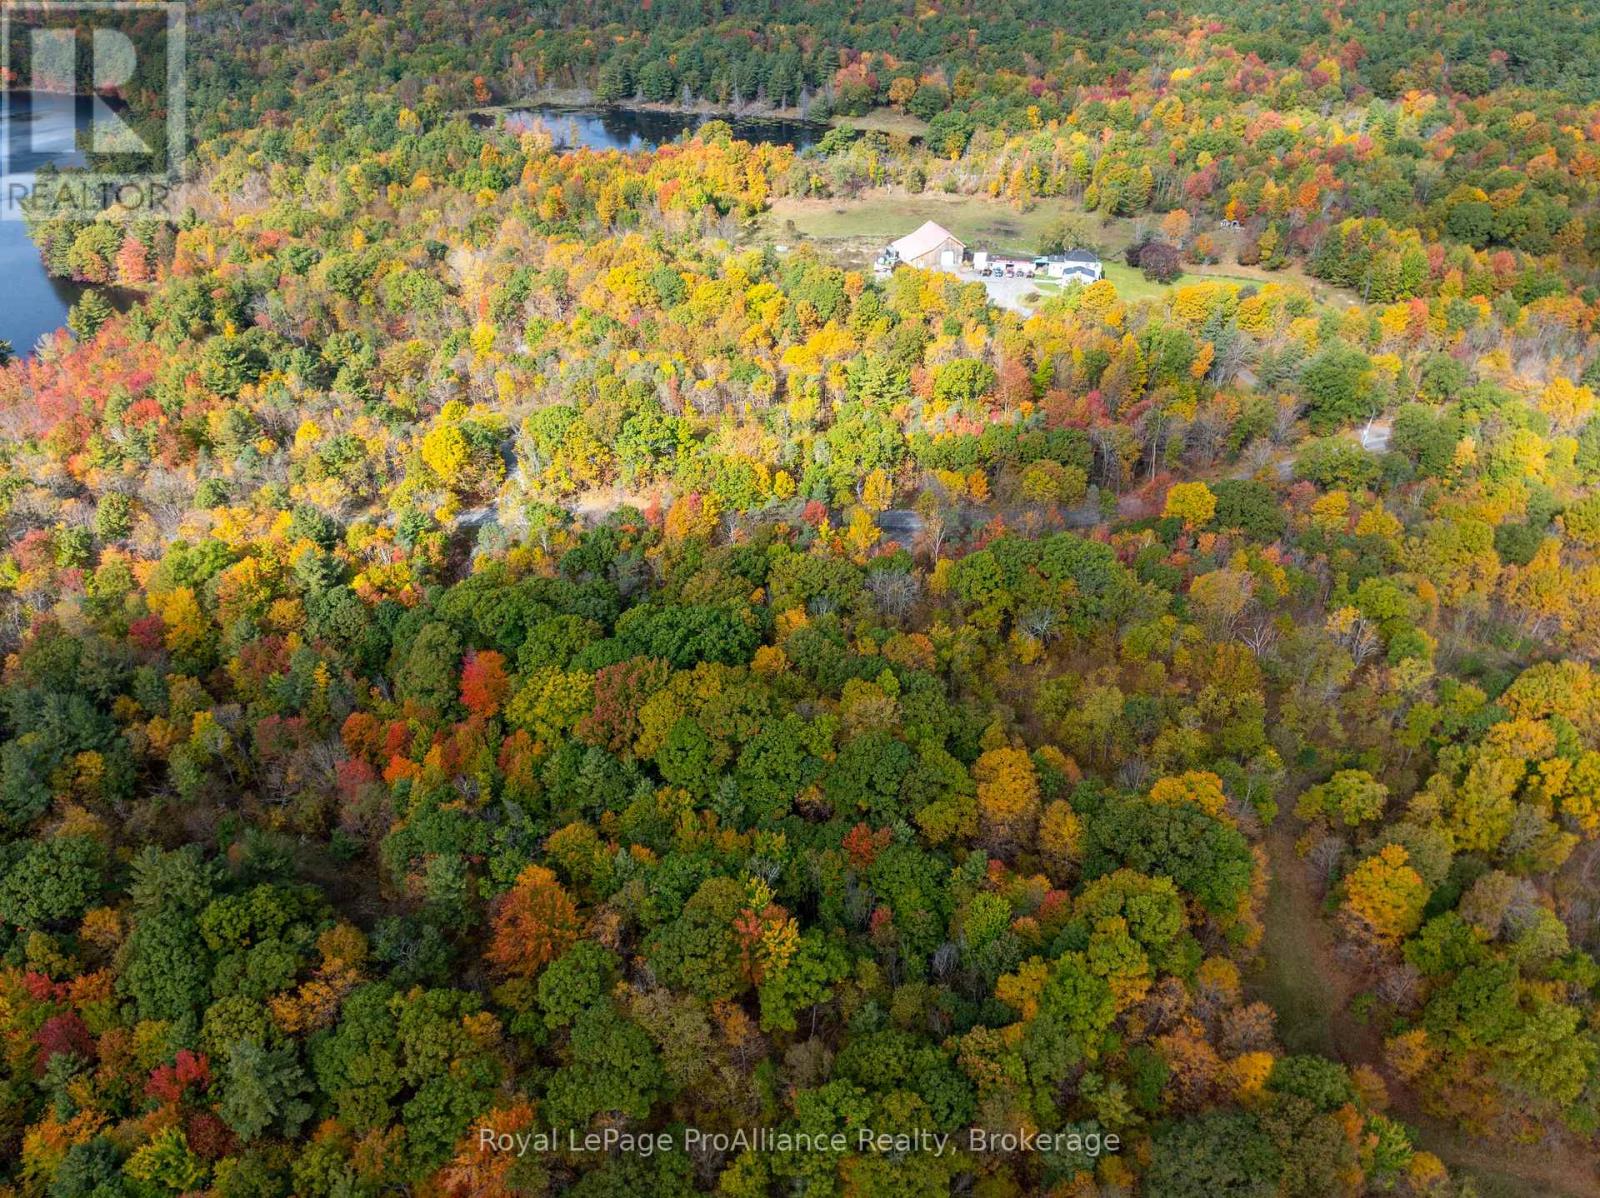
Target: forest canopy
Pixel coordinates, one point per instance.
(505, 639)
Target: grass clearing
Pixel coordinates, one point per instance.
(1506, 1171)
(883, 120)
(1132, 285)
(853, 231)
(981, 223)
(1296, 980)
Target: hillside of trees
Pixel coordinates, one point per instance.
(492, 644)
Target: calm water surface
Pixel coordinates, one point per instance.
(627, 129)
(31, 302)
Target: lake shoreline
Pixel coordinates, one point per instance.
(638, 130)
(36, 303)
(582, 98)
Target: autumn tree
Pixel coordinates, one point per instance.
(531, 924)
(1008, 797)
(1384, 895)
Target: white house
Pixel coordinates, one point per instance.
(1074, 266)
(1082, 266)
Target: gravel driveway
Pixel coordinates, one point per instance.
(1006, 293)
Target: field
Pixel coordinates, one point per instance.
(883, 120)
(882, 216)
(853, 231)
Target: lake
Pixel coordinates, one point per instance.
(633, 129)
(31, 302)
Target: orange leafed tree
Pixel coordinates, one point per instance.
(533, 923)
(484, 683)
(475, 1173)
(133, 266)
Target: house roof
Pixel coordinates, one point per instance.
(929, 237)
(1077, 258)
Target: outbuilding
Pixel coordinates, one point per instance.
(931, 247)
